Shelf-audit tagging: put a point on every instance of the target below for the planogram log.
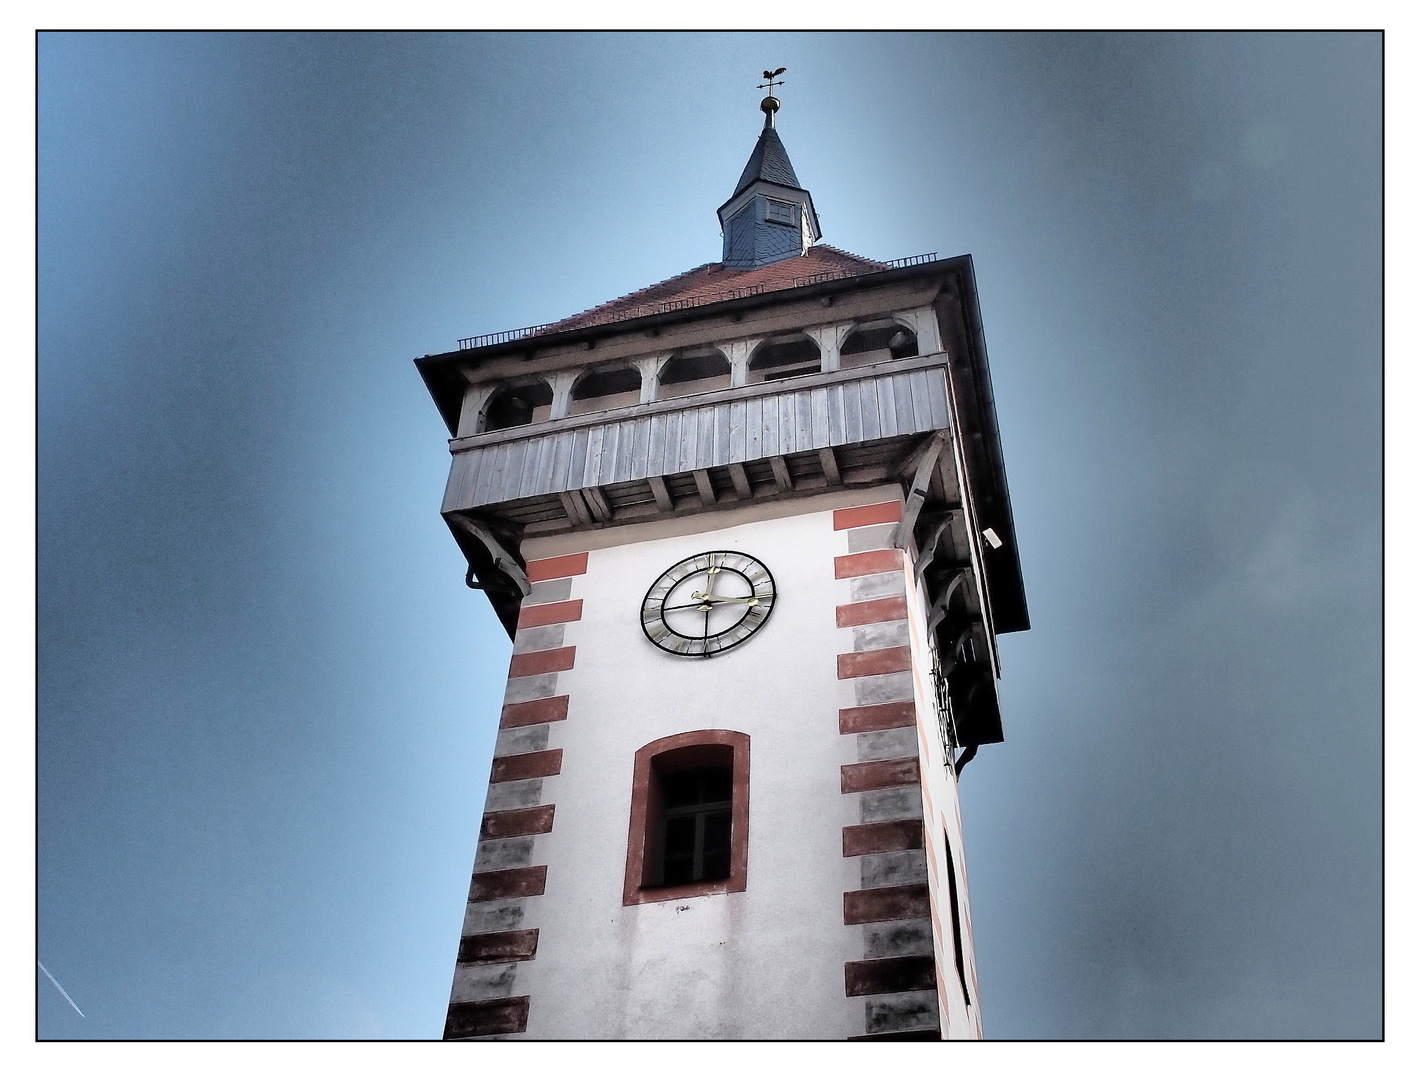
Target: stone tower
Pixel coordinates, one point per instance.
(750, 533)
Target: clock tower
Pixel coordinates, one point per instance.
(749, 532)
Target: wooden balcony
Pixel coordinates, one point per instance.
(689, 454)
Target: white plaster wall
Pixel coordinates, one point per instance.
(941, 814)
(764, 963)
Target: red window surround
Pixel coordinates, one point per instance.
(689, 750)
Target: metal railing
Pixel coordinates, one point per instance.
(623, 314)
(500, 336)
(913, 260)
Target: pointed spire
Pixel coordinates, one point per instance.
(769, 216)
(768, 161)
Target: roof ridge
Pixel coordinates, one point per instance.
(852, 255)
(626, 296)
(711, 282)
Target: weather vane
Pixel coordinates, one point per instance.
(771, 81)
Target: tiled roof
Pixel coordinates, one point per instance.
(712, 282)
(768, 161)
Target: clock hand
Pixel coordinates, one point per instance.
(696, 603)
(710, 598)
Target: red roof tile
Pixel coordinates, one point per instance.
(712, 282)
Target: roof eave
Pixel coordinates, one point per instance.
(1010, 612)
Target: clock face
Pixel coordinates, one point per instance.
(708, 603)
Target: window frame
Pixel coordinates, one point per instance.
(684, 751)
(775, 208)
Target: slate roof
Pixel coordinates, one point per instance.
(768, 161)
(711, 282)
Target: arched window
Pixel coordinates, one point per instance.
(514, 406)
(689, 816)
(876, 340)
(783, 357)
(605, 388)
(694, 371)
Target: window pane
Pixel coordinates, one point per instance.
(696, 824)
(716, 785)
(696, 786)
(679, 833)
(717, 845)
(680, 789)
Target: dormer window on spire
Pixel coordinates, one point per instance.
(781, 212)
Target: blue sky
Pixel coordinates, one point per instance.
(266, 700)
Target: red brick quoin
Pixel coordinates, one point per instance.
(501, 947)
(558, 567)
(541, 663)
(527, 821)
(504, 884)
(861, 718)
(889, 609)
(868, 562)
(883, 836)
(526, 766)
(873, 775)
(885, 904)
(852, 665)
(499, 1016)
(877, 514)
(539, 711)
(545, 614)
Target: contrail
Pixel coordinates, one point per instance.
(61, 989)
